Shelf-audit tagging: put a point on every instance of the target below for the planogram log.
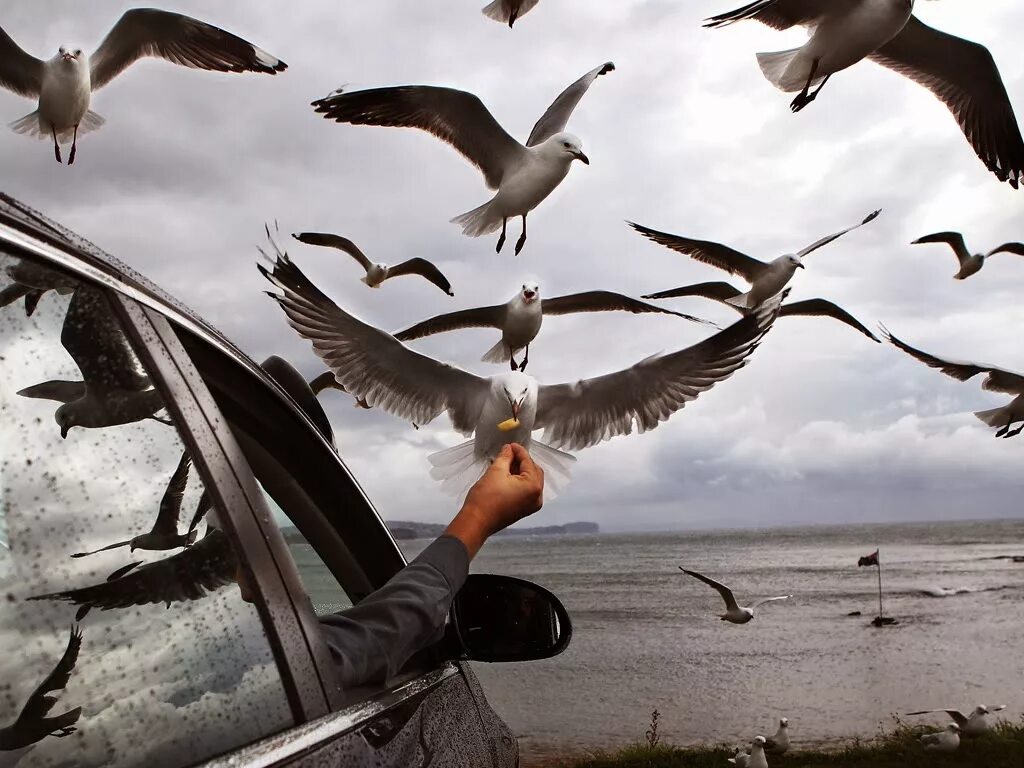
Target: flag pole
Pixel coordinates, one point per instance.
(878, 564)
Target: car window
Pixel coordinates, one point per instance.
(124, 638)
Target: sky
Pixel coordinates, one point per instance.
(685, 136)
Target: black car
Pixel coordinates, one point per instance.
(147, 466)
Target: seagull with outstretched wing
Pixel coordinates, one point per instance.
(970, 263)
(30, 280)
(508, 11)
(976, 724)
(734, 612)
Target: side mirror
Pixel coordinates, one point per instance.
(500, 618)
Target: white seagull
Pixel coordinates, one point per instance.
(496, 410)
(507, 11)
(779, 743)
(377, 273)
(520, 318)
(722, 292)
(960, 73)
(64, 84)
(943, 741)
(971, 726)
(757, 758)
(998, 380)
(766, 278)
(970, 263)
(734, 612)
(741, 758)
(523, 175)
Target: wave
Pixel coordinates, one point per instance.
(954, 591)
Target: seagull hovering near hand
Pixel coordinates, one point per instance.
(998, 380)
(779, 743)
(520, 318)
(497, 410)
(164, 533)
(32, 724)
(507, 11)
(943, 741)
(969, 263)
(722, 292)
(734, 613)
(962, 74)
(766, 278)
(971, 726)
(523, 175)
(64, 84)
(378, 273)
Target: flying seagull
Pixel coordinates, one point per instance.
(378, 273)
(998, 380)
(734, 613)
(520, 318)
(722, 292)
(766, 278)
(496, 410)
(64, 84)
(164, 533)
(969, 263)
(507, 11)
(779, 743)
(523, 175)
(33, 724)
(31, 280)
(943, 741)
(960, 73)
(975, 724)
(113, 391)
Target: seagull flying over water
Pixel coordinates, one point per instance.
(64, 84)
(523, 175)
(496, 410)
(766, 278)
(734, 612)
(998, 380)
(960, 73)
(520, 318)
(943, 741)
(508, 11)
(975, 724)
(969, 263)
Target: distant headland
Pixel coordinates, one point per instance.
(407, 529)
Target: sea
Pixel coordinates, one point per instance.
(647, 637)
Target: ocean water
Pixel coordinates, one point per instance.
(646, 636)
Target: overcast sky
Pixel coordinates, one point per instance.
(685, 136)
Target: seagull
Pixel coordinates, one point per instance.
(523, 175)
(31, 280)
(378, 273)
(757, 758)
(520, 318)
(64, 84)
(779, 743)
(164, 533)
(734, 613)
(496, 410)
(33, 724)
(943, 741)
(722, 292)
(998, 380)
(741, 758)
(507, 11)
(962, 74)
(969, 263)
(113, 391)
(766, 278)
(975, 724)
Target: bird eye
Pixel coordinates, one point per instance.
(60, 50)
(565, 144)
(78, 52)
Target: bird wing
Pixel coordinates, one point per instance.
(769, 600)
(39, 704)
(605, 301)
(456, 117)
(1007, 382)
(718, 291)
(824, 308)
(478, 317)
(423, 268)
(371, 363)
(961, 371)
(829, 238)
(953, 239)
(557, 115)
(715, 254)
(1017, 248)
(93, 337)
(588, 411)
(724, 591)
(170, 504)
(957, 716)
(965, 77)
(61, 391)
(205, 505)
(19, 71)
(335, 241)
(180, 40)
(324, 381)
(780, 14)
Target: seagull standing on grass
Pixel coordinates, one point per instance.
(65, 83)
(734, 612)
(977, 723)
(960, 73)
(523, 175)
(741, 758)
(766, 278)
(779, 743)
(520, 318)
(757, 758)
(507, 11)
(943, 741)
(970, 263)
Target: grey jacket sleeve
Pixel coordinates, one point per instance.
(372, 640)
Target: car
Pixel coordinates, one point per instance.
(147, 466)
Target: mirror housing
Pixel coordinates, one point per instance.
(501, 618)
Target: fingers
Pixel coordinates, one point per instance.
(503, 461)
(527, 466)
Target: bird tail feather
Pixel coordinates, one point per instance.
(777, 70)
(479, 221)
(995, 417)
(29, 125)
(742, 301)
(557, 466)
(499, 353)
(32, 125)
(457, 468)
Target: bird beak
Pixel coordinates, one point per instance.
(68, 57)
(801, 265)
(64, 433)
(582, 158)
(515, 410)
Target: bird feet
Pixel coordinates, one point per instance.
(71, 157)
(66, 730)
(520, 243)
(501, 242)
(56, 152)
(513, 364)
(802, 100)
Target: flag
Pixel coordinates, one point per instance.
(871, 559)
